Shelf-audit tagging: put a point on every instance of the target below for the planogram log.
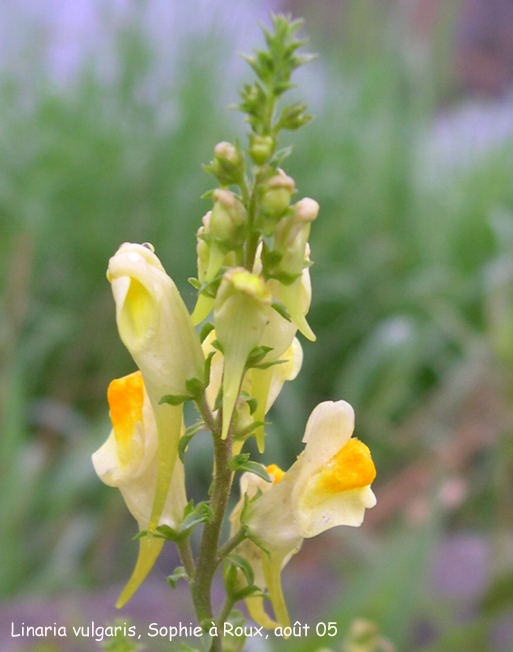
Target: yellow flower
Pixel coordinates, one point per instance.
(263, 384)
(328, 485)
(241, 314)
(156, 328)
(128, 461)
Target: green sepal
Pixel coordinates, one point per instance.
(178, 574)
(208, 366)
(194, 282)
(174, 399)
(140, 535)
(293, 117)
(257, 355)
(219, 399)
(208, 194)
(266, 365)
(243, 464)
(209, 288)
(217, 345)
(250, 400)
(279, 156)
(195, 387)
(205, 330)
(244, 434)
(187, 436)
(195, 515)
(281, 310)
(166, 532)
(238, 562)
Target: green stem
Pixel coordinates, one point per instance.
(207, 557)
(231, 544)
(184, 549)
(223, 617)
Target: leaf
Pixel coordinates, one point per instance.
(202, 513)
(243, 565)
(166, 532)
(178, 574)
(243, 464)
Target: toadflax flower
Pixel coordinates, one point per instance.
(328, 485)
(128, 461)
(241, 314)
(156, 328)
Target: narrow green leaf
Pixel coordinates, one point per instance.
(173, 399)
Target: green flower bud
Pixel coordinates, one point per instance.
(227, 220)
(276, 199)
(290, 240)
(261, 149)
(228, 164)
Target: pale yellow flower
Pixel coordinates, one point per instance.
(241, 314)
(128, 461)
(328, 485)
(156, 328)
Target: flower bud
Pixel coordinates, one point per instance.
(291, 236)
(227, 220)
(157, 330)
(241, 313)
(276, 199)
(261, 149)
(228, 164)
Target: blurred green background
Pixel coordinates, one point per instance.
(107, 112)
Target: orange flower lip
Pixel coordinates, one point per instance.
(276, 472)
(351, 468)
(125, 396)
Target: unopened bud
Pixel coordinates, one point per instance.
(227, 220)
(228, 164)
(261, 149)
(306, 210)
(276, 199)
(291, 236)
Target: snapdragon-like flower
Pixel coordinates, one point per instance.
(328, 485)
(263, 384)
(128, 461)
(241, 314)
(156, 328)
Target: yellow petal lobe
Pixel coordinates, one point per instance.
(351, 468)
(125, 396)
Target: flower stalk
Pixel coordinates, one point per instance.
(253, 275)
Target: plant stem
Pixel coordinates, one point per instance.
(223, 617)
(207, 557)
(231, 544)
(184, 548)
